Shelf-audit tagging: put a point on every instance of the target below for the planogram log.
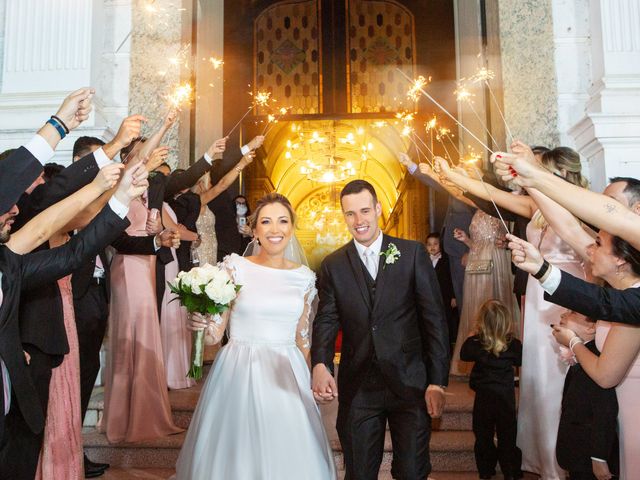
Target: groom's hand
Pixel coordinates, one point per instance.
(323, 384)
(435, 399)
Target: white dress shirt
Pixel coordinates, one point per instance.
(374, 251)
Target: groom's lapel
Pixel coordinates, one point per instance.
(382, 271)
(354, 261)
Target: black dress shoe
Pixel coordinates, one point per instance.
(95, 465)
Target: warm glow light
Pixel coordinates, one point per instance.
(261, 98)
(181, 95)
(483, 74)
(216, 62)
(462, 94)
(414, 92)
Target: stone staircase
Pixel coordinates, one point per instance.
(451, 441)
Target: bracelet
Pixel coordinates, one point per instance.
(58, 127)
(543, 270)
(573, 344)
(55, 117)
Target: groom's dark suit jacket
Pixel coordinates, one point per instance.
(405, 327)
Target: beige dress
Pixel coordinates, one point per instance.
(208, 249)
(484, 231)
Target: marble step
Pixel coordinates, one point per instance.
(165, 473)
(450, 451)
(457, 415)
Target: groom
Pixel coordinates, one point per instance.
(394, 364)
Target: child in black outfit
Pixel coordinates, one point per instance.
(495, 352)
(587, 445)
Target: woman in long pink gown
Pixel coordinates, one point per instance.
(543, 372)
(136, 401)
(176, 338)
(61, 454)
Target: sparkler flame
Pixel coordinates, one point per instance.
(216, 62)
(414, 92)
(261, 99)
(462, 94)
(483, 74)
(181, 95)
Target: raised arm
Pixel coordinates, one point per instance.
(53, 219)
(594, 208)
(183, 232)
(226, 181)
(518, 204)
(563, 223)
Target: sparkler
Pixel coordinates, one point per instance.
(418, 84)
(273, 119)
(463, 95)
(260, 99)
(472, 162)
(216, 62)
(424, 92)
(484, 75)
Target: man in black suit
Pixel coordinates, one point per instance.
(383, 293)
(27, 273)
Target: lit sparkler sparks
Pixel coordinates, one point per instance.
(181, 95)
(482, 75)
(261, 99)
(216, 62)
(418, 84)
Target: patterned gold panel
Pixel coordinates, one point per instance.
(287, 56)
(380, 38)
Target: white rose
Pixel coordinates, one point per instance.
(390, 259)
(220, 292)
(209, 271)
(196, 279)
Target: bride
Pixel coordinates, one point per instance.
(256, 417)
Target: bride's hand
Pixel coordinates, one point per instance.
(323, 384)
(197, 322)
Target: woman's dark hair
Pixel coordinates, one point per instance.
(124, 153)
(270, 199)
(624, 250)
(248, 214)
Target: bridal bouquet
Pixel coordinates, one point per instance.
(208, 290)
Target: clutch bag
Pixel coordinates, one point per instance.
(477, 267)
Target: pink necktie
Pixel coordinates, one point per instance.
(99, 262)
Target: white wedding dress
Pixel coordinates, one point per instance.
(256, 417)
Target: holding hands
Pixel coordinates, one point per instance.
(323, 385)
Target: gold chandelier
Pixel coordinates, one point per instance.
(329, 155)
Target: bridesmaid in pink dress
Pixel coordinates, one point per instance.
(176, 338)
(61, 455)
(542, 374)
(136, 402)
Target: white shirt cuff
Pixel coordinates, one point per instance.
(40, 149)
(245, 149)
(598, 460)
(551, 284)
(156, 247)
(118, 207)
(412, 167)
(101, 158)
(208, 158)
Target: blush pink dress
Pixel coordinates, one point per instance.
(61, 454)
(136, 400)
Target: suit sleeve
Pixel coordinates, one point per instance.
(128, 245)
(429, 182)
(47, 266)
(621, 306)
(434, 329)
(326, 323)
(188, 179)
(603, 432)
(65, 183)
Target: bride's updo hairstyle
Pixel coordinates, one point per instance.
(269, 199)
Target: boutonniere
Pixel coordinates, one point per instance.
(391, 254)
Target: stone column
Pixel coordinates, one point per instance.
(609, 134)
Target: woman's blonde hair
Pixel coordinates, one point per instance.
(556, 160)
(495, 326)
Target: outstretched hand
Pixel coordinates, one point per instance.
(520, 166)
(256, 142)
(524, 255)
(323, 385)
(134, 183)
(108, 176)
(76, 108)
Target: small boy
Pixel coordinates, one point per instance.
(440, 262)
(587, 445)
